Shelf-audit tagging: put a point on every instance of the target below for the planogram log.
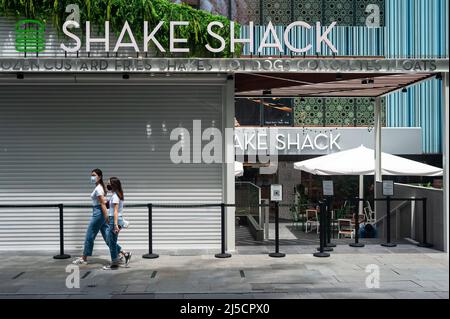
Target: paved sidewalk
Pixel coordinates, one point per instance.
(405, 272)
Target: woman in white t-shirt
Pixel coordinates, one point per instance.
(99, 220)
(115, 223)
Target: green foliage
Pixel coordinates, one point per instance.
(298, 208)
(135, 12)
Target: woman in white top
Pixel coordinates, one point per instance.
(99, 220)
(115, 223)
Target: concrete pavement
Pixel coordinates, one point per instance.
(405, 271)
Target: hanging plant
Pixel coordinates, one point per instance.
(135, 12)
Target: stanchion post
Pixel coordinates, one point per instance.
(150, 254)
(222, 254)
(61, 255)
(277, 253)
(424, 242)
(356, 244)
(388, 224)
(321, 252)
(324, 209)
(328, 243)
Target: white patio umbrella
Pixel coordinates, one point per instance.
(360, 161)
(238, 169)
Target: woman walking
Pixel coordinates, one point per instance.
(115, 223)
(99, 218)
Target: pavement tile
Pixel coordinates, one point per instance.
(407, 272)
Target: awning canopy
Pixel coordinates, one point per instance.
(323, 84)
(360, 161)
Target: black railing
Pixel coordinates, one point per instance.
(388, 200)
(324, 225)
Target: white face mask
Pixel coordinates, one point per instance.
(93, 179)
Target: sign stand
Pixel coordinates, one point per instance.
(276, 195)
(388, 191)
(328, 192)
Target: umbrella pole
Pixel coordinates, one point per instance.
(361, 193)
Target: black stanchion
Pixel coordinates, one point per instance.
(61, 255)
(356, 244)
(321, 252)
(150, 254)
(424, 242)
(222, 254)
(328, 242)
(325, 227)
(388, 224)
(277, 253)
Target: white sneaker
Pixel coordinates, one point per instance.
(79, 261)
(110, 267)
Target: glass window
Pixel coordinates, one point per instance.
(278, 111)
(248, 112)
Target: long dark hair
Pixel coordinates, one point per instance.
(99, 173)
(116, 187)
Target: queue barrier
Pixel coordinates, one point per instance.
(324, 226)
(61, 255)
(388, 200)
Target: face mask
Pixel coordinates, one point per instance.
(93, 179)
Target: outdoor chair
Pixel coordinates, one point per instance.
(345, 228)
(312, 219)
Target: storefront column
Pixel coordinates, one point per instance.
(228, 171)
(378, 126)
(445, 160)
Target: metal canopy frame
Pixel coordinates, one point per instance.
(348, 85)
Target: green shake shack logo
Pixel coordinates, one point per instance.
(30, 36)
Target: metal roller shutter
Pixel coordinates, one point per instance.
(51, 137)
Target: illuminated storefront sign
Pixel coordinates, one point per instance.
(270, 38)
(320, 141)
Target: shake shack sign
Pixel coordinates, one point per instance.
(270, 38)
(30, 37)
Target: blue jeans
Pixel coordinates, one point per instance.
(114, 249)
(96, 224)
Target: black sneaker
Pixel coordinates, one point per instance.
(127, 258)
